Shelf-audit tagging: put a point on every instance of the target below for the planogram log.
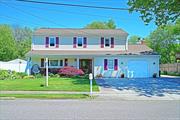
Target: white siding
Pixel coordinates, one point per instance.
(66, 42)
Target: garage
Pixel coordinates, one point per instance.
(137, 69)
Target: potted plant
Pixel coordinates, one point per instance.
(154, 75)
(122, 75)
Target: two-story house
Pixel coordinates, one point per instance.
(98, 51)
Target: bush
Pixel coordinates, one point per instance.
(4, 74)
(38, 75)
(29, 77)
(70, 71)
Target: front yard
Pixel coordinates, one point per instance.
(55, 84)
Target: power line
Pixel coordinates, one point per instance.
(74, 5)
(42, 18)
(77, 13)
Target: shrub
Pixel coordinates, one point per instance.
(70, 71)
(38, 75)
(29, 77)
(99, 76)
(4, 74)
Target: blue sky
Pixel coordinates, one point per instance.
(37, 15)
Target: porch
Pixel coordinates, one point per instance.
(55, 63)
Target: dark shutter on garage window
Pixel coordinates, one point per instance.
(47, 42)
(74, 42)
(102, 42)
(57, 42)
(85, 42)
(112, 42)
(105, 64)
(115, 64)
(42, 62)
(66, 62)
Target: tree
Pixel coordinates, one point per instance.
(110, 24)
(162, 11)
(164, 41)
(22, 36)
(8, 47)
(133, 39)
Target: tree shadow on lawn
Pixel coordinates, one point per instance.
(144, 86)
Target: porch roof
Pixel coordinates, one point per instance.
(132, 50)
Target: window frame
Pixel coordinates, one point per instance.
(52, 60)
(108, 42)
(81, 42)
(60, 63)
(50, 41)
(112, 67)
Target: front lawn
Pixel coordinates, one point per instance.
(47, 96)
(55, 84)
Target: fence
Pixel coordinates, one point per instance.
(170, 67)
(18, 67)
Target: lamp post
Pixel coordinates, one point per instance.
(90, 79)
(46, 72)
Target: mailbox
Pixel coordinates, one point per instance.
(90, 76)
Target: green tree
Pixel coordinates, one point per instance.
(8, 47)
(110, 24)
(161, 11)
(164, 41)
(22, 36)
(133, 39)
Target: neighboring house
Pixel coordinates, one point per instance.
(98, 51)
(17, 65)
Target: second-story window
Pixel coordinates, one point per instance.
(80, 41)
(52, 41)
(107, 42)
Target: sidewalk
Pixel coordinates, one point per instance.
(44, 92)
(168, 76)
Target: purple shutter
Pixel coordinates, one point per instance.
(66, 62)
(74, 42)
(42, 62)
(102, 42)
(105, 64)
(47, 42)
(57, 42)
(85, 42)
(115, 64)
(112, 42)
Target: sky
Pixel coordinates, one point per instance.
(39, 15)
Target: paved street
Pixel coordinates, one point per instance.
(34, 109)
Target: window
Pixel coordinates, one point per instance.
(110, 64)
(52, 41)
(61, 63)
(53, 62)
(107, 42)
(80, 41)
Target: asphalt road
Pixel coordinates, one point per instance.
(27, 109)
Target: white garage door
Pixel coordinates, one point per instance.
(137, 69)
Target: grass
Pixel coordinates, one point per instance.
(47, 96)
(55, 84)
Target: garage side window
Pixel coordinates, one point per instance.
(110, 64)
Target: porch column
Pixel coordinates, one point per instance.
(77, 61)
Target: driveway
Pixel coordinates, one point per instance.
(141, 88)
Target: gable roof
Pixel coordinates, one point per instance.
(132, 50)
(83, 31)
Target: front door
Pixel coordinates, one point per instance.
(86, 65)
